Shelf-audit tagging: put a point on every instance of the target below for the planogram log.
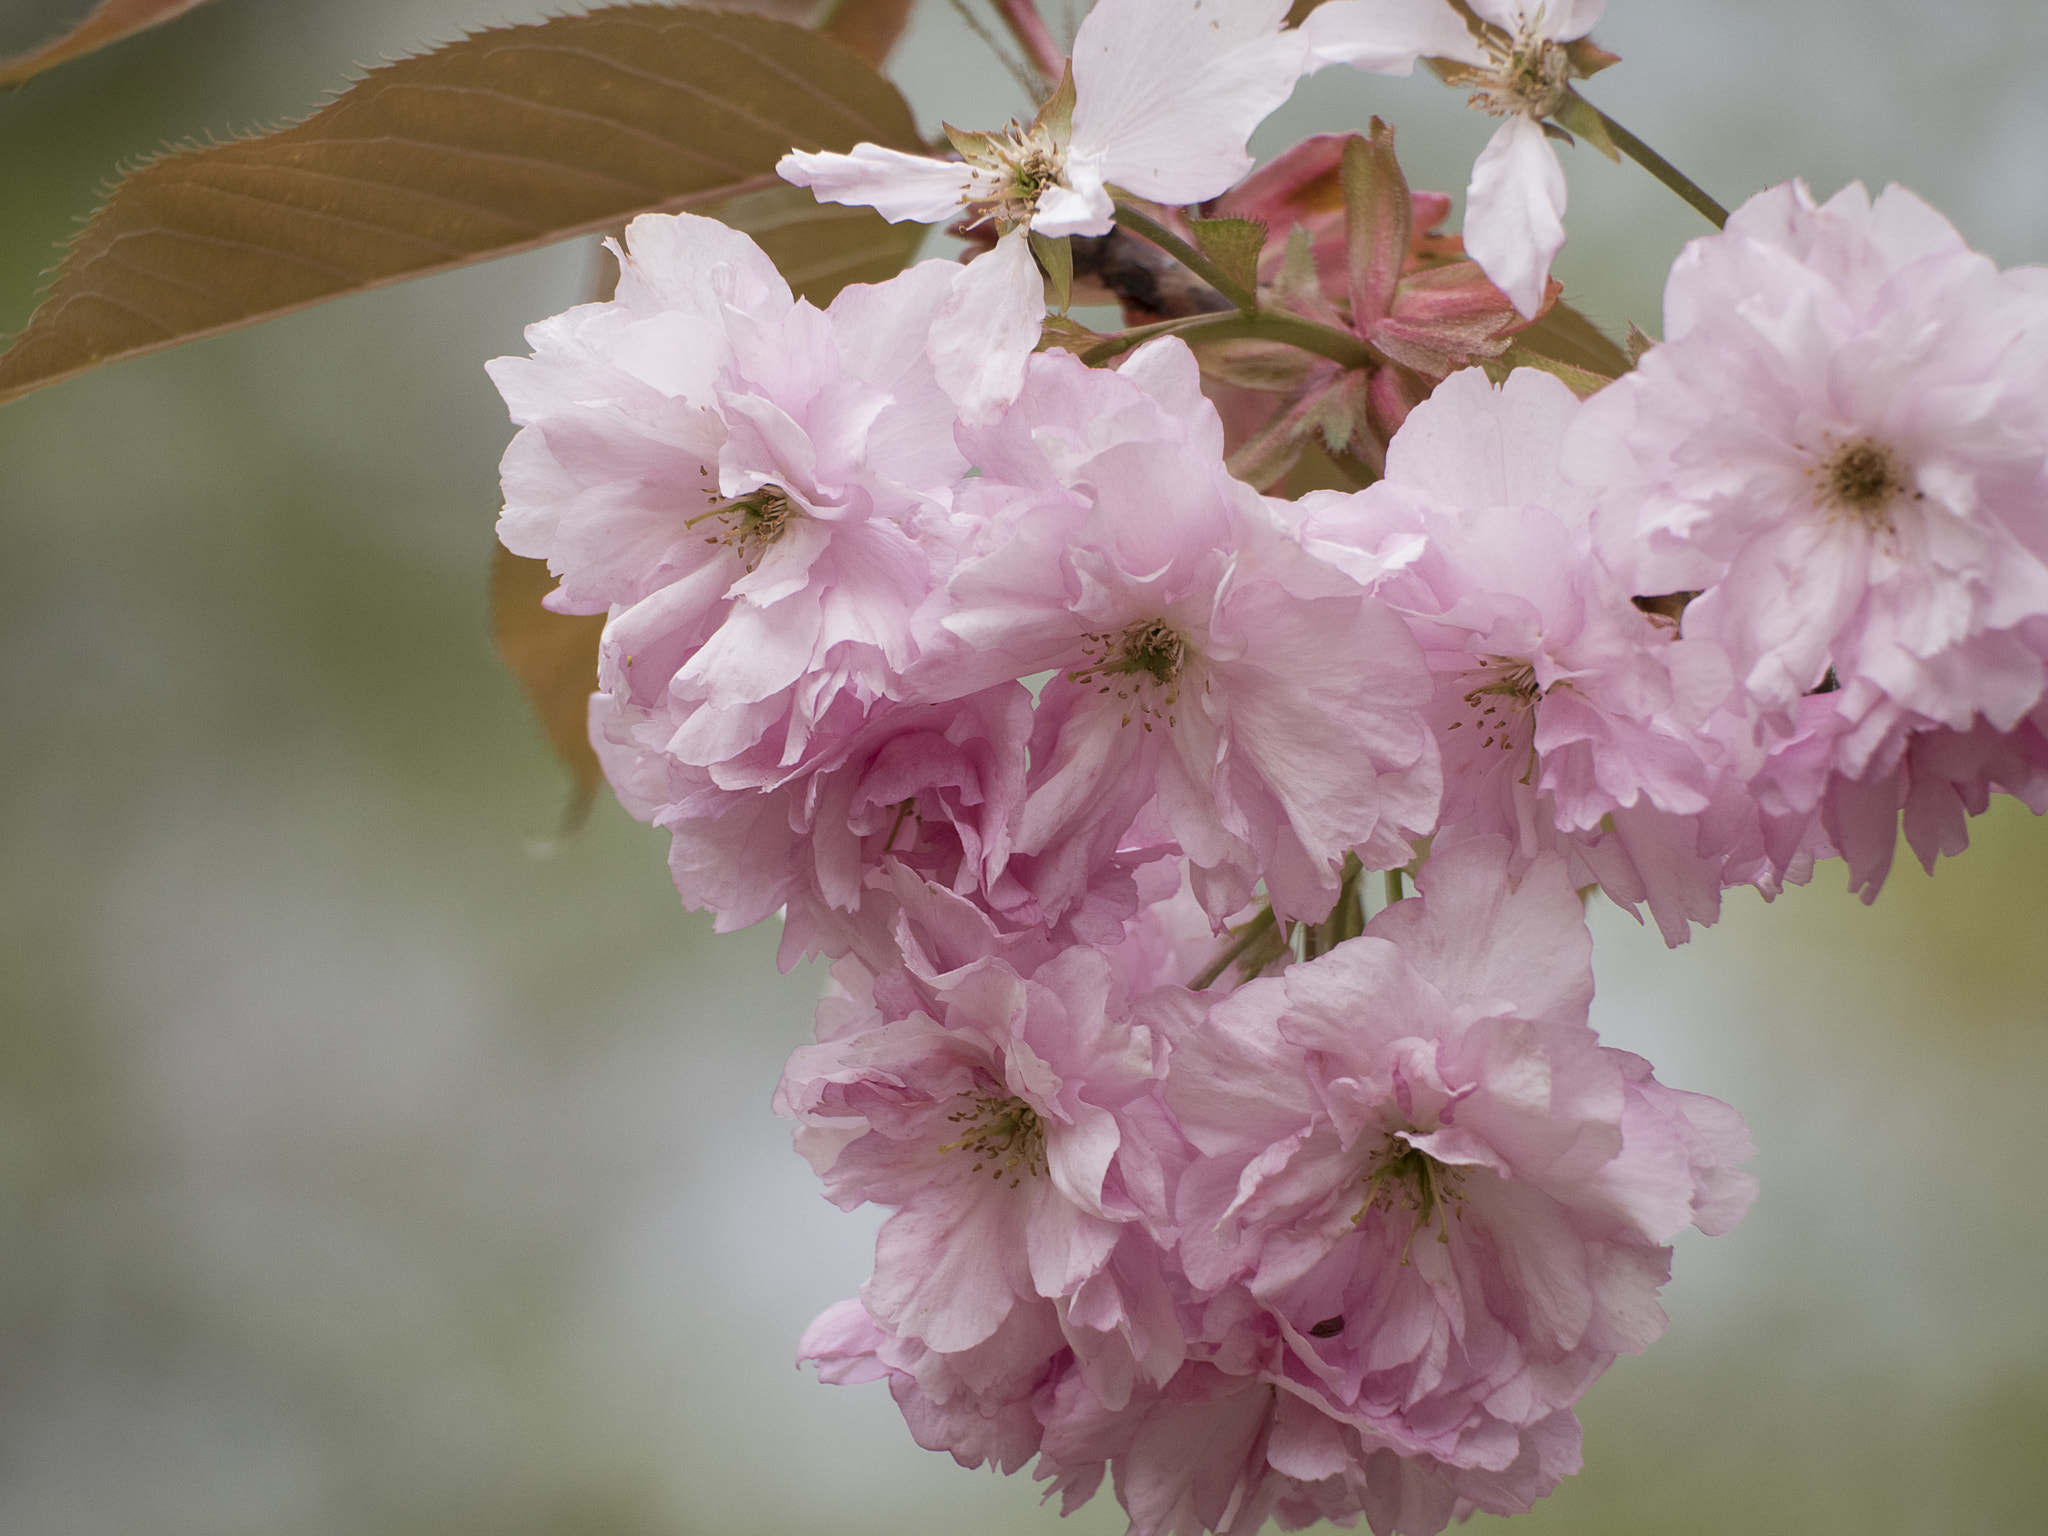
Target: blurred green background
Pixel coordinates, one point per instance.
(361, 1173)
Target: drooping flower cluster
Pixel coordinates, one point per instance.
(1348, 1240)
(973, 659)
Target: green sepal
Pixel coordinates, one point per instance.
(1581, 381)
(1065, 331)
(1057, 115)
(1056, 256)
(1588, 57)
(1580, 116)
(1234, 245)
(1638, 341)
(1298, 286)
(975, 148)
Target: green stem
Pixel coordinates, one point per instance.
(1662, 169)
(1266, 325)
(1247, 937)
(1395, 891)
(1207, 270)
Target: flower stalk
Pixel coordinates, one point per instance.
(1663, 170)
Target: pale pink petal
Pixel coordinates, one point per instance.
(1082, 206)
(1514, 212)
(1387, 36)
(984, 335)
(895, 185)
(681, 262)
(1562, 20)
(1166, 92)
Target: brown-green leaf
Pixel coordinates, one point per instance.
(554, 656)
(505, 141)
(820, 247)
(107, 22)
(871, 28)
(1562, 335)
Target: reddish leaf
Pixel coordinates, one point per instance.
(505, 141)
(108, 22)
(554, 656)
(871, 28)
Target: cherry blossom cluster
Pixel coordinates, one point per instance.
(975, 646)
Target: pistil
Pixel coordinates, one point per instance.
(1010, 172)
(1004, 1133)
(749, 524)
(1407, 1178)
(1141, 666)
(1863, 477)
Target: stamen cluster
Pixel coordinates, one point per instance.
(1528, 73)
(748, 525)
(1008, 173)
(1004, 1133)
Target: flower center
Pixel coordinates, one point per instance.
(1004, 1132)
(747, 525)
(1141, 666)
(1530, 75)
(1010, 172)
(1405, 1178)
(1504, 693)
(1863, 478)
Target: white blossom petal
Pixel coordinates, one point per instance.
(1386, 36)
(1514, 212)
(1167, 91)
(1561, 20)
(1081, 207)
(895, 185)
(984, 336)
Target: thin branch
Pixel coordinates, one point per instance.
(1249, 935)
(1207, 270)
(1662, 169)
(1322, 340)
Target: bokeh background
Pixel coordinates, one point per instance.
(362, 1173)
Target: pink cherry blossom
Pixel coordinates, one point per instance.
(990, 1108)
(928, 787)
(975, 1403)
(1840, 449)
(1567, 717)
(1517, 61)
(1253, 699)
(753, 487)
(1416, 1156)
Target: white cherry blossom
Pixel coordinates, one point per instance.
(1159, 101)
(1514, 58)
